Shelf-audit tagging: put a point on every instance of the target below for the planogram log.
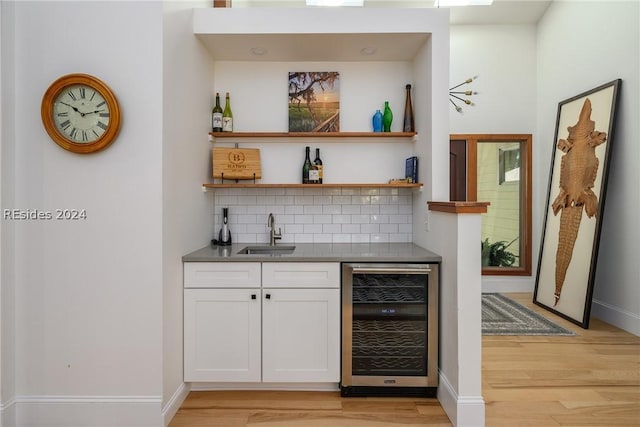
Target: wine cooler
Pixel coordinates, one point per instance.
(389, 329)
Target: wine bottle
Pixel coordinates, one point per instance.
(306, 166)
(227, 116)
(409, 124)
(318, 163)
(216, 115)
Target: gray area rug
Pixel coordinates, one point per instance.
(504, 316)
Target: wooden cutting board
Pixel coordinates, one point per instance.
(236, 163)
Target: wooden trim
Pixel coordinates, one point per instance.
(525, 201)
(221, 3)
(366, 185)
(220, 135)
(459, 207)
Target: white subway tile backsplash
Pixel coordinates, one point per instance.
(313, 209)
(342, 200)
(333, 228)
(332, 209)
(360, 219)
(303, 200)
(322, 238)
(322, 215)
(290, 229)
(303, 238)
(341, 238)
(247, 200)
(388, 209)
(350, 209)
(293, 210)
(284, 200)
(360, 238)
(341, 219)
(370, 228)
(322, 219)
(303, 219)
(350, 228)
(312, 228)
(265, 200)
(370, 209)
(360, 200)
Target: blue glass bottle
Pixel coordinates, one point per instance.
(387, 117)
(377, 121)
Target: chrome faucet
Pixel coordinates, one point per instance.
(273, 236)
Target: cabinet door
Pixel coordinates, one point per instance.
(301, 335)
(222, 335)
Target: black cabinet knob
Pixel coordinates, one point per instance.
(253, 296)
(268, 296)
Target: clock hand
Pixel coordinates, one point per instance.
(74, 109)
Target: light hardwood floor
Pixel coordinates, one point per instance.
(592, 379)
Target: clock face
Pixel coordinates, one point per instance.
(81, 113)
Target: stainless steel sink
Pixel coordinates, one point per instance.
(267, 250)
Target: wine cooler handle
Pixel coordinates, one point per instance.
(374, 270)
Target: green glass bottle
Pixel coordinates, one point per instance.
(227, 116)
(387, 117)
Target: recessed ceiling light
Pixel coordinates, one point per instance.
(258, 51)
(451, 3)
(368, 51)
(335, 2)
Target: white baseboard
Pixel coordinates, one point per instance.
(463, 411)
(616, 316)
(504, 286)
(171, 408)
(265, 386)
(8, 413)
(88, 411)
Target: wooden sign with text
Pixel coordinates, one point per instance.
(236, 163)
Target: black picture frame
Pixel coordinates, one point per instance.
(574, 209)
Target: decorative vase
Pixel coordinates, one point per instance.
(409, 123)
(387, 117)
(377, 121)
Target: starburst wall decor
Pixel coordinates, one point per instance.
(457, 94)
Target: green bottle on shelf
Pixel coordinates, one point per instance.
(227, 116)
(387, 117)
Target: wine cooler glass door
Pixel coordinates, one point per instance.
(390, 330)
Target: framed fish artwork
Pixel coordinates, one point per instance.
(575, 203)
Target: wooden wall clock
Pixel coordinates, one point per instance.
(80, 113)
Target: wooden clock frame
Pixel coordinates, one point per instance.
(48, 105)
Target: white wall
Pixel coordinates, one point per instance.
(582, 45)
(523, 73)
(88, 297)
(503, 57)
(186, 210)
(7, 229)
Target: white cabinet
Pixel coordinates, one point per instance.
(222, 335)
(284, 327)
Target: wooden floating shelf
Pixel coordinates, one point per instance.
(367, 185)
(220, 135)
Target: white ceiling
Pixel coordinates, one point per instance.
(500, 12)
